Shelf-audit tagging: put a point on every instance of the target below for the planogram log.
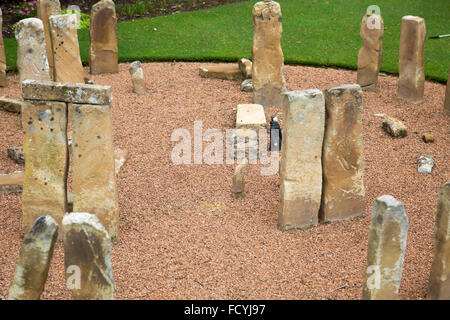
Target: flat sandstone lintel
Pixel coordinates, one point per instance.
(66, 92)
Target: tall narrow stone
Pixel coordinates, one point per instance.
(103, 53)
(343, 171)
(34, 260)
(410, 62)
(3, 78)
(439, 285)
(31, 51)
(238, 188)
(387, 242)
(137, 78)
(371, 54)
(65, 49)
(44, 126)
(87, 258)
(45, 9)
(93, 182)
(267, 56)
(447, 96)
(301, 160)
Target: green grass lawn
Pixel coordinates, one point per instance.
(315, 32)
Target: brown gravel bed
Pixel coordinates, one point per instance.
(182, 236)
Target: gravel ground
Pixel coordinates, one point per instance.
(182, 236)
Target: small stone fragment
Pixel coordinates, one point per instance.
(245, 65)
(394, 127)
(16, 154)
(88, 81)
(120, 157)
(250, 116)
(427, 137)
(11, 103)
(247, 85)
(221, 71)
(425, 164)
(238, 187)
(137, 78)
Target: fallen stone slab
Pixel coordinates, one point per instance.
(11, 103)
(221, 71)
(11, 183)
(16, 154)
(250, 116)
(394, 127)
(425, 164)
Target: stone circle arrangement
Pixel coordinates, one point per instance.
(65, 116)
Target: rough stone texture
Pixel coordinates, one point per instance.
(425, 164)
(394, 127)
(221, 71)
(34, 260)
(103, 52)
(16, 154)
(250, 116)
(410, 62)
(137, 78)
(11, 183)
(45, 9)
(439, 284)
(65, 49)
(387, 242)
(93, 182)
(3, 78)
(245, 65)
(371, 54)
(31, 50)
(301, 159)
(45, 147)
(87, 245)
(247, 85)
(427, 138)
(66, 92)
(267, 56)
(238, 188)
(243, 143)
(447, 96)
(343, 169)
(11, 103)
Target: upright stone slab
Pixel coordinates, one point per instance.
(371, 54)
(410, 62)
(439, 285)
(87, 247)
(45, 9)
(65, 49)
(301, 159)
(31, 50)
(387, 242)
(34, 260)
(137, 78)
(343, 171)
(267, 56)
(103, 52)
(447, 96)
(44, 126)
(238, 188)
(3, 78)
(93, 182)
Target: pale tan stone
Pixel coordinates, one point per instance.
(103, 52)
(45, 9)
(343, 170)
(45, 147)
(137, 78)
(120, 157)
(31, 50)
(387, 243)
(238, 188)
(301, 159)
(267, 56)
(447, 96)
(3, 78)
(411, 78)
(66, 92)
(34, 260)
(371, 54)
(221, 71)
(245, 65)
(11, 103)
(65, 49)
(87, 246)
(439, 284)
(11, 183)
(93, 182)
(250, 116)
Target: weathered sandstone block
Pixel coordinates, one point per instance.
(137, 78)
(221, 71)
(245, 65)
(410, 62)
(87, 247)
(301, 159)
(267, 56)
(11, 183)
(34, 260)
(16, 154)
(387, 242)
(250, 116)
(11, 103)
(343, 170)
(394, 127)
(238, 187)
(103, 52)
(3, 78)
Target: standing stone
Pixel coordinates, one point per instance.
(301, 159)
(45, 9)
(3, 78)
(343, 170)
(93, 182)
(103, 53)
(410, 63)
(44, 126)
(386, 252)
(371, 54)
(245, 65)
(65, 49)
(447, 96)
(87, 246)
(439, 286)
(34, 260)
(31, 51)
(267, 57)
(137, 78)
(238, 187)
